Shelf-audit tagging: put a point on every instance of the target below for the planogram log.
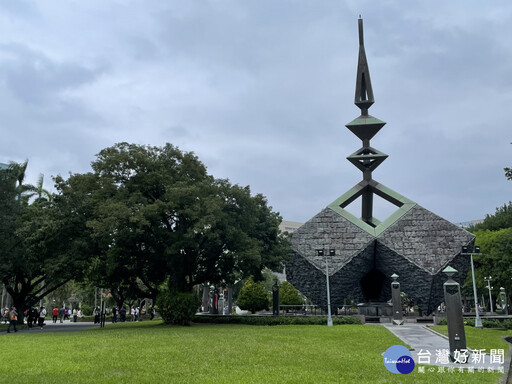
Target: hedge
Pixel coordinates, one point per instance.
(275, 320)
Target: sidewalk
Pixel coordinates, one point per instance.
(66, 326)
(427, 347)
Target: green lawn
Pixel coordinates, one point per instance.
(486, 338)
(149, 352)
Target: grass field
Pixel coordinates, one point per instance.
(149, 352)
(486, 338)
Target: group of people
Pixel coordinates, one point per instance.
(119, 315)
(34, 316)
(64, 314)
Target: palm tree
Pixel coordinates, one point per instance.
(23, 191)
(41, 192)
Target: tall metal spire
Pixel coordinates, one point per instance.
(366, 159)
(364, 93)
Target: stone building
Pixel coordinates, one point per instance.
(364, 252)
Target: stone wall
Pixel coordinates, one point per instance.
(417, 247)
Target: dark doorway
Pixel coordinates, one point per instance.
(372, 284)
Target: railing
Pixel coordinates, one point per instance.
(300, 310)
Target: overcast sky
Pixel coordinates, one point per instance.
(261, 91)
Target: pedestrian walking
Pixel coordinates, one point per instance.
(13, 318)
(62, 314)
(55, 314)
(30, 317)
(42, 315)
(114, 314)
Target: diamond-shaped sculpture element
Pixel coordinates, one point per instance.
(413, 242)
(365, 127)
(367, 159)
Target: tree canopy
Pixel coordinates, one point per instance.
(37, 244)
(501, 219)
(495, 259)
(494, 236)
(156, 216)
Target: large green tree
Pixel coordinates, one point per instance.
(158, 216)
(495, 260)
(494, 236)
(38, 250)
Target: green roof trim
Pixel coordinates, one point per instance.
(4, 166)
(402, 203)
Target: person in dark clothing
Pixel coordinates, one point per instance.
(35, 315)
(13, 318)
(97, 315)
(30, 318)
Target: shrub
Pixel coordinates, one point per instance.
(86, 309)
(253, 296)
(288, 295)
(177, 307)
(492, 324)
(470, 322)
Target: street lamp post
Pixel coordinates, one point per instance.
(332, 252)
(476, 250)
(489, 279)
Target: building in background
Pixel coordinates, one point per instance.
(289, 226)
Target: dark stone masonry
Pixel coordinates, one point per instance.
(416, 247)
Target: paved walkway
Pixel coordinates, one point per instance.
(429, 347)
(66, 326)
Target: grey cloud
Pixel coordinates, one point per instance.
(36, 79)
(20, 8)
(261, 91)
